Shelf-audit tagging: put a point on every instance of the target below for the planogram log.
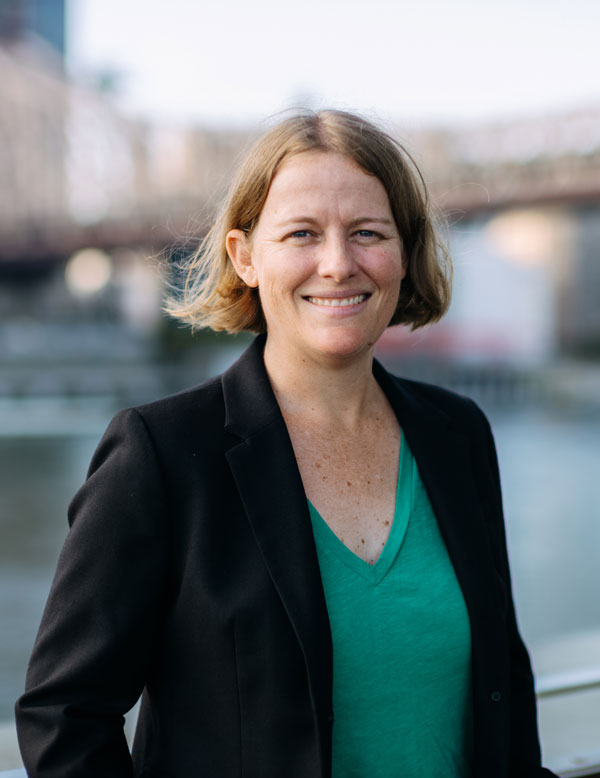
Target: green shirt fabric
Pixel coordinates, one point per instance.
(401, 647)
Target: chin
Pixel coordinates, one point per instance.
(344, 345)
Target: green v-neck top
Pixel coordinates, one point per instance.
(401, 647)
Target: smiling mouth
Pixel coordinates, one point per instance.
(336, 302)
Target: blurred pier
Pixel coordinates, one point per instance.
(129, 381)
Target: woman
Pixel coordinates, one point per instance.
(301, 564)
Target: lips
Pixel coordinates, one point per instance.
(337, 302)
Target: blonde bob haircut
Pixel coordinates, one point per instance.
(214, 296)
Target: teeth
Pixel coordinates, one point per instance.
(337, 301)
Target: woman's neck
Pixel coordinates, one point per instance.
(340, 392)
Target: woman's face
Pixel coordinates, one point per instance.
(326, 257)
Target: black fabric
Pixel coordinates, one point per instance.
(190, 573)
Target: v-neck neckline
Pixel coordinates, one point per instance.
(375, 573)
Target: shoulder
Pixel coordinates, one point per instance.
(171, 427)
(206, 403)
(430, 411)
(445, 399)
(456, 409)
(445, 419)
(202, 402)
(193, 423)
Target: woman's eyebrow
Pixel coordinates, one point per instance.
(360, 220)
(297, 220)
(371, 220)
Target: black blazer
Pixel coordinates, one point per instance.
(190, 573)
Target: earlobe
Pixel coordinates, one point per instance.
(404, 263)
(240, 253)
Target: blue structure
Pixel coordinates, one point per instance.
(45, 18)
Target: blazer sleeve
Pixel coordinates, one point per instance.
(525, 757)
(94, 644)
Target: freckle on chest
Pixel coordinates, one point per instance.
(351, 478)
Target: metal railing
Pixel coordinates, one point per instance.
(575, 681)
(567, 683)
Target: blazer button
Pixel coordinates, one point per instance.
(495, 696)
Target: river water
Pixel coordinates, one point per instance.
(550, 465)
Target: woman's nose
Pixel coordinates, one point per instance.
(336, 260)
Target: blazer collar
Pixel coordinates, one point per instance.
(443, 450)
(268, 480)
(250, 403)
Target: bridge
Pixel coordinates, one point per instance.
(76, 172)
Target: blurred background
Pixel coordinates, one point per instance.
(120, 123)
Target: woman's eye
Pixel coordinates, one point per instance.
(366, 234)
(300, 234)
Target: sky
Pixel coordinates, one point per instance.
(235, 62)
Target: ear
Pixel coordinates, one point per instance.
(404, 265)
(239, 251)
(404, 269)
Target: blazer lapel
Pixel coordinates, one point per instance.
(267, 477)
(445, 464)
